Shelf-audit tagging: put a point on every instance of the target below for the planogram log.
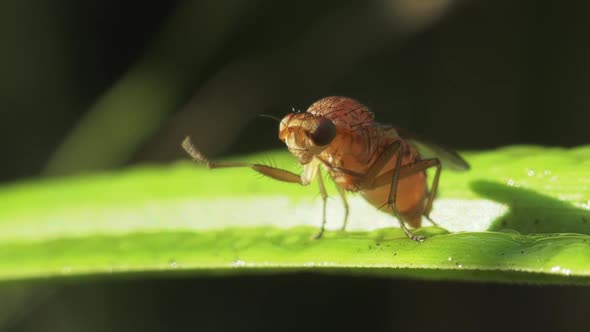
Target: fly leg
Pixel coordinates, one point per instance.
(411, 169)
(341, 190)
(324, 199)
(342, 193)
(271, 172)
(393, 195)
(370, 181)
(433, 191)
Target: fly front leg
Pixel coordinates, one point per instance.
(325, 200)
(271, 172)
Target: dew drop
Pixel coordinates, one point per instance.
(173, 264)
(450, 259)
(530, 172)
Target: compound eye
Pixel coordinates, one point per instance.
(324, 133)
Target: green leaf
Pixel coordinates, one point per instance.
(521, 214)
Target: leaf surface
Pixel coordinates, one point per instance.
(521, 214)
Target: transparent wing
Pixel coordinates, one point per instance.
(449, 158)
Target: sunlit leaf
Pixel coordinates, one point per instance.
(521, 214)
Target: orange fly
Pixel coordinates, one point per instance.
(386, 165)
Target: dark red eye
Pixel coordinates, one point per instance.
(324, 133)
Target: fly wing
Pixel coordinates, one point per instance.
(449, 158)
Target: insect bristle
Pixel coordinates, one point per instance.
(269, 162)
(296, 110)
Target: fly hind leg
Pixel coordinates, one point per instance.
(393, 195)
(433, 190)
(371, 181)
(411, 169)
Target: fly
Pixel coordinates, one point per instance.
(385, 164)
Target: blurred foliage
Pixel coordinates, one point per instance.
(121, 93)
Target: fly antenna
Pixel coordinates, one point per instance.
(270, 117)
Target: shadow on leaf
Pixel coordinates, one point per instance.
(531, 212)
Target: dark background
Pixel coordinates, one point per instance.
(91, 85)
